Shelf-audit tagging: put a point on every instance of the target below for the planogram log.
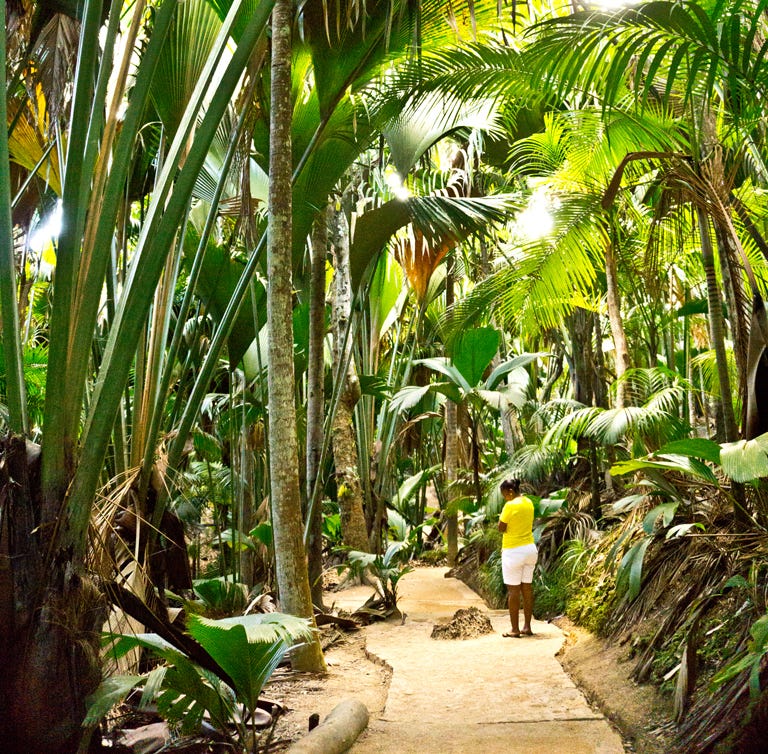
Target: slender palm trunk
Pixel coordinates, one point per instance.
(621, 349)
(451, 460)
(292, 577)
(345, 456)
(724, 406)
(315, 402)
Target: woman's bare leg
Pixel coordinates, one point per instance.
(513, 602)
(527, 592)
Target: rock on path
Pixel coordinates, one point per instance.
(485, 695)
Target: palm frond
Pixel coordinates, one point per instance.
(571, 426)
(190, 40)
(537, 462)
(664, 51)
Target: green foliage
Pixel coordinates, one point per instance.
(388, 568)
(332, 524)
(746, 460)
(751, 661)
(629, 577)
(435, 556)
(218, 597)
(676, 49)
(593, 601)
(245, 650)
(553, 586)
(492, 582)
(473, 352)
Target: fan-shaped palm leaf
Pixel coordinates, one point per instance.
(190, 41)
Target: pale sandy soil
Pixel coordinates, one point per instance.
(485, 694)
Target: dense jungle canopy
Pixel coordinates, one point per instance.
(285, 286)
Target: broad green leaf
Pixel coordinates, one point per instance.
(667, 513)
(218, 590)
(745, 460)
(517, 362)
(547, 506)
(372, 384)
(384, 292)
(444, 366)
(262, 533)
(681, 464)
(494, 398)
(682, 529)
(153, 685)
(249, 647)
(631, 567)
(736, 581)
(427, 120)
(698, 447)
(111, 691)
(413, 483)
(627, 503)
(207, 446)
(397, 524)
(407, 397)
(450, 391)
(474, 351)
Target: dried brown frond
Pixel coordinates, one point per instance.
(420, 257)
(114, 517)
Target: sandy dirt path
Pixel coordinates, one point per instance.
(489, 694)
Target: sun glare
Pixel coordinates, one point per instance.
(396, 185)
(47, 230)
(536, 221)
(610, 5)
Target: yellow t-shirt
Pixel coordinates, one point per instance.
(517, 514)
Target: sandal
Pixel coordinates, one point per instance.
(526, 633)
(512, 635)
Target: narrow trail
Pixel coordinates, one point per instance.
(489, 694)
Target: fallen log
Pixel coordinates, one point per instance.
(336, 734)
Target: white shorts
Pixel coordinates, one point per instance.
(517, 564)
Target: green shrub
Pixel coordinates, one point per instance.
(492, 582)
(591, 602)
(434, 557)
(550, 592)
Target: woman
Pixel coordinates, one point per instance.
(518, 555)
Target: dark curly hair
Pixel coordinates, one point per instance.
(510, 485)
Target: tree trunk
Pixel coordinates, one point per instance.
(451, 457)
(315, 403)
(345, 457)
(586, 388)
(620, 346)
(290, 560)
(724, 405)
(51, 618)
(581, 361)
(737, 299)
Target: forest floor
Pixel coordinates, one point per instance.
(485, 693)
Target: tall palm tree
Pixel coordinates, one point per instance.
(59, 611)
(293, 581)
